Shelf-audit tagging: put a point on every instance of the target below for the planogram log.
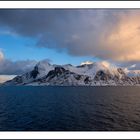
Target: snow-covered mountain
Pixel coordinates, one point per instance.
(86, 74)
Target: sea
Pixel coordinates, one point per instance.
(44, 108)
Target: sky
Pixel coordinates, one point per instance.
(68, 36)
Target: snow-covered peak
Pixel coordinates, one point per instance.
(104, 65)
(86, 68)
(43, 67)
(94, 67)
(86, 63)
(95, 73)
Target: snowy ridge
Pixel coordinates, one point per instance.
(86, 74)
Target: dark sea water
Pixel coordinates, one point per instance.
(69, 108)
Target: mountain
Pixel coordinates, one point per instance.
(86, 74)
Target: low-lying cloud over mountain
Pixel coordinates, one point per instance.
(9, 67)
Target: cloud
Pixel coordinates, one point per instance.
(1, 55)
(132, 65)
(9, 67)
(4, 78)
(107, 34)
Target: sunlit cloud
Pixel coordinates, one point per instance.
(124, 41)
(112, 35)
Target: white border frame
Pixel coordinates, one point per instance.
(70, 135)
(69, 4)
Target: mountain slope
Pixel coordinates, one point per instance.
(92, 74)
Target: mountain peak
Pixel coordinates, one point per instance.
(86, 63)
(43, 63)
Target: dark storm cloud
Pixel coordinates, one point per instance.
(107, 34)
(32, 22)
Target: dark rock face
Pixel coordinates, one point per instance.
(121, 71)
(17, 80)
(87, 80)
(59, 70)
(134, 80)
(63, 74)
(56, 72)
(34, 73)
(102, 75)
(85, 65)
(78, 77)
